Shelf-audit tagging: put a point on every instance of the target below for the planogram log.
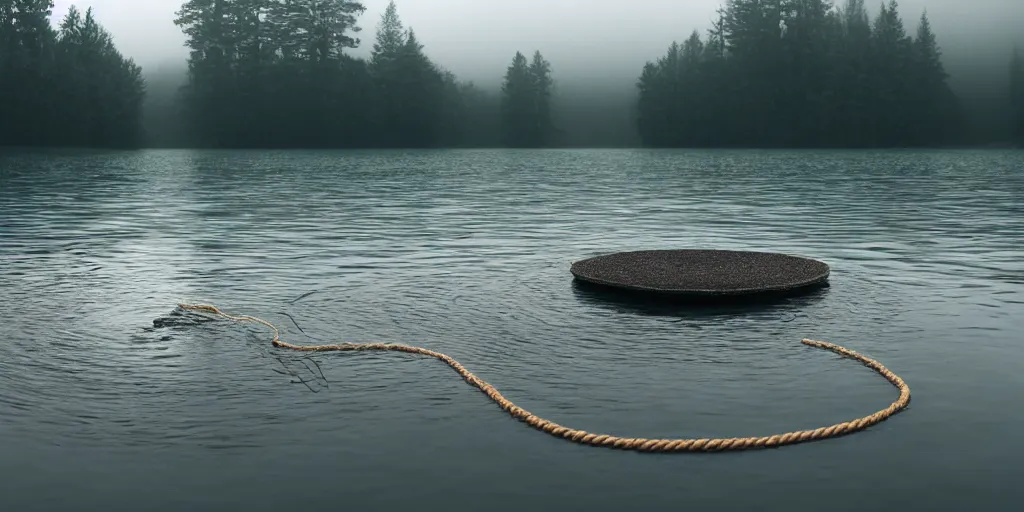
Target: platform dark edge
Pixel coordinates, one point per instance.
(798, 286)
(680, 292)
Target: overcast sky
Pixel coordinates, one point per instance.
(582, 38)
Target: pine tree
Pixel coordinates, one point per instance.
(327, 24)
(66, 88)
(387, 77)
(310, 30)
(421, 87)
(210, 93)
(203, 22)
(716, 89)
(516, 104)
(679, 95)
(410, 88)
(927, 56)
(891, 57)
(855, 22)
(540, 73)
(26, 46)
(251, 30)
(275, 73)
(391, 37)
(526, 102)
(851, 77)
(799, 73)
(649, 113)
(756, 43)
(716, 43)
(804, 101)
(101, 92)
(452, 112)
(693, 110)
(254, 32)
(935, 110)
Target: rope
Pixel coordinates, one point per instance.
(627, 443)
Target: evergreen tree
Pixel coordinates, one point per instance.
(422, 88)
(516, 102)
(650, 116)
(851, 77)
(754, 39)
(274, 73)
(525, 102)
(70, 88)
(929, 58)
(716, 97)
(452, 116)
(805, 103)
(390, 80)
(891, 58)
(102, 93)
(800, 73)
(855, 21)
(327, 24)
(207, 25)
(390, 37)
(26, 53)
(540, 72)
(935, 109)
(410, 87)
(287, 22)
(253, 61)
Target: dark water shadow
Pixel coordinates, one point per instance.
(299, 367)
(689, 306)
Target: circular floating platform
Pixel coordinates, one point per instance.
(702, 273)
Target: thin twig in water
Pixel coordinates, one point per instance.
(296, 324)
(303, 296)
(322, 376)
(305, 383)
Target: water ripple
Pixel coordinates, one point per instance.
(468, 253)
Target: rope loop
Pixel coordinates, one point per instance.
(609, 441)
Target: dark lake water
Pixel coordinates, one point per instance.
(467, 253)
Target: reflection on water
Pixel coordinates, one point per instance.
(133, 404)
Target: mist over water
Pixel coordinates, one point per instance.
(605, 43)
(597, 51)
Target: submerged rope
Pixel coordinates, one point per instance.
(627, 443)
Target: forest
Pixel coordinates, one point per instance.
(66, 86)
(279, 73)
(797, 73)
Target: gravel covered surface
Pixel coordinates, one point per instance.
(701, 272)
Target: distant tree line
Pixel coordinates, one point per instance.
(276, 73)
(67, 86)
(800, 73)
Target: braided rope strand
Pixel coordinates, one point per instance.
(609, 441)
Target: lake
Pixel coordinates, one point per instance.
(110, 399)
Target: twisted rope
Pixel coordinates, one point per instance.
(626, 443)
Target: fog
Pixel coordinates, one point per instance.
(597, 48)
(586, 40)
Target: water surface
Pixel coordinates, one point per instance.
(467, 252)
